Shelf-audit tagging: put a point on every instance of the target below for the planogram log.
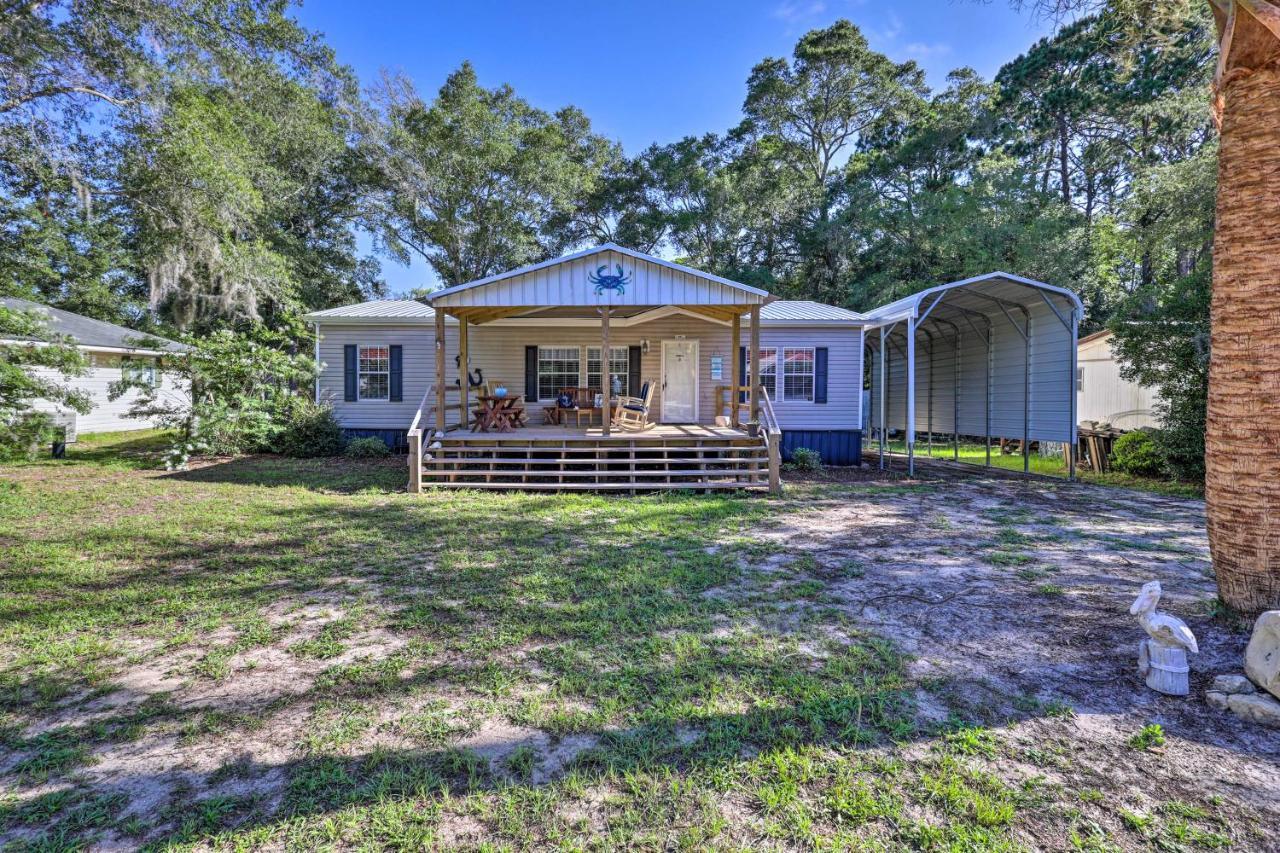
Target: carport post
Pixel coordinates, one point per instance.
(1026, 390)
(929, 336)
(955, 405)
(1071, 431)
(986, 395)
(884, 390)
(911, 396)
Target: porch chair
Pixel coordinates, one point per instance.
(633, 412)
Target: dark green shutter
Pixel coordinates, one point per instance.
(531, 374)
(820, 375)
(349, 373)
(633, 371)
(397, 373)
(743, 378)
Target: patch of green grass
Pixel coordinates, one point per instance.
(688, 698)
(1050, 590)
(1151, 736)
(328, 641)
(1005, 558)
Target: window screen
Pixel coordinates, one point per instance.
(375, 373)
(558, 367)
(797, 374)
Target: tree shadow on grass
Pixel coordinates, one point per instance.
(325, 474)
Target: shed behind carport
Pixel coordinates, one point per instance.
(989, 356)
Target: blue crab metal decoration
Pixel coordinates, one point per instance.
(607, 281)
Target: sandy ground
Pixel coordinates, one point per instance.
(994, 637)
(1011, 596)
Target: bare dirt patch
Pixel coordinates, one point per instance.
(1013, 599)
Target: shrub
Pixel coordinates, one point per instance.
(1138, 454)
(310, 430)
(805, 459)
(370, 447)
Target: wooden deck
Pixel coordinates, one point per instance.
(666, 456)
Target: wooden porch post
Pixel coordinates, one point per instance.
(755, 364)
(464, 374)
(735, 372)
(606, 410)
(439, 370)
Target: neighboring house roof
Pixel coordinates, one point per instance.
(94, 334)
(1105, 333)
(410, 312)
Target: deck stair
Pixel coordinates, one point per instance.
(618, 462)
(554, 458)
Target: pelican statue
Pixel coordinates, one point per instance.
(1168, 631)
(1162, 659)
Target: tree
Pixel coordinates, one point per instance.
(809, 113)
(1242, 469)
(35, 367)
(479, 181)
(188, 156)
(242, 393)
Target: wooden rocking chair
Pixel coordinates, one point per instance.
(632, 413)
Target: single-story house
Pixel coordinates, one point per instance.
(679, 340)
(1104, 395)
(112, 352)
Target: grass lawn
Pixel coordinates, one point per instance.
(271, 652)
(1051, 466)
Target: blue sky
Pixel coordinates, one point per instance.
(646, 72)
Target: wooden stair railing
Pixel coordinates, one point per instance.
(426, 415)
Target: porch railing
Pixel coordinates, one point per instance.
(728, 397)
(424, 423)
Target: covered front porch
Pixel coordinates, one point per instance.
(592, 293)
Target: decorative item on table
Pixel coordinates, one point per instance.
(599, 401)
(500, 391)
(566, 401)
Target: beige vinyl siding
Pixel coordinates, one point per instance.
(110, 415)
(419, 367)
(498, 351)
(1105, 395)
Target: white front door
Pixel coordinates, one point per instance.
(679, 382)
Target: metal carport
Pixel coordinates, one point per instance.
(989, 356)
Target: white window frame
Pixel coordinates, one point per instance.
(812, 373)
(581, 367)
(625, 373)
(361, 372)
(140, 365)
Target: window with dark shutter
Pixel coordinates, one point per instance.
(397, 373)
(349, 373)
(820, 375)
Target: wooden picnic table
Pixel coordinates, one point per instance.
(500, 414)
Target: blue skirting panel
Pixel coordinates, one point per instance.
(396, 439)
(835, 446)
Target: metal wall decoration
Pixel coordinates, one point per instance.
(607, 281)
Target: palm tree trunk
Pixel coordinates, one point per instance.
(1242, 445)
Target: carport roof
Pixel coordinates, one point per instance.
(981, 294)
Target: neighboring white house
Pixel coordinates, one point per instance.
(112, 351)
(1103, 395)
